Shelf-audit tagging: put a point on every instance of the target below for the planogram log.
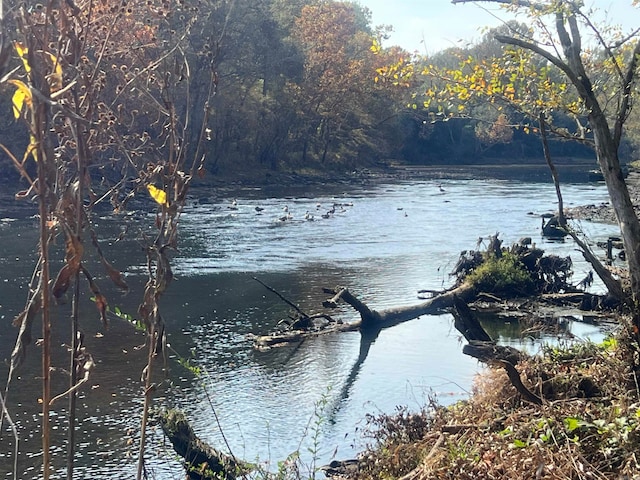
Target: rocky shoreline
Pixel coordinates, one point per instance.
(603, 212)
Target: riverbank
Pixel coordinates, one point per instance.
(571, 169)
(588, 426)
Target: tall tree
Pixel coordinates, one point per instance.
(336, 96)
(605, 102)
(545, 70)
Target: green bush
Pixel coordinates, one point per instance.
(502, 275)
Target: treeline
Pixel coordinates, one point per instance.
(297, 89)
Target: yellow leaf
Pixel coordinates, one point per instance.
(20, 97)
(22, 51)
(158, 195)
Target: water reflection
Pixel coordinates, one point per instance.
(264, 400)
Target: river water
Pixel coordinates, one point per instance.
(383, 241)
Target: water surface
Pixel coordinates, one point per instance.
(384, 242)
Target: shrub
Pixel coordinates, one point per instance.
(502, 275)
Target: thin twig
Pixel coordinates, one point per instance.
(282, 297)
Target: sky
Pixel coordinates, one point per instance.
(442, 24)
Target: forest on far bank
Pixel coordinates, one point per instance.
(297, 90)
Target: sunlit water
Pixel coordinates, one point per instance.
(384, 242)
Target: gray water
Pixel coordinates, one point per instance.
(385, 242)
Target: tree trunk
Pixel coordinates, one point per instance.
(607, 154)
(374, 319)
(607, 141)
(370, 319)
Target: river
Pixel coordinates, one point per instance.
(383, 241)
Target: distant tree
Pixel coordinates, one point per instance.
(337, 100)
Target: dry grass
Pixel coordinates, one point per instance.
(587, 428)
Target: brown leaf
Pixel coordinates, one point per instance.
(164, 274)
(63, 280)
(73, 257)
(101, 300)
(74, 251)
(115, 276)
(101, 304)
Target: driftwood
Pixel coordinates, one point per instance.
(201, 461)
(549, 275)
(389, 317)
(370, 319)
(264, 342)
(482, 347)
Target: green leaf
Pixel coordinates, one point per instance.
(572, 423)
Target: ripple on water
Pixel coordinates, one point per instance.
(265, 400)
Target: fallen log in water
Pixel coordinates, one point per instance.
(527, 271)
(201, 461)
(369, 319)
(482, 347)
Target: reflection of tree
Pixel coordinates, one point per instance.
(367, 339)
(499, 327)
(517, 328)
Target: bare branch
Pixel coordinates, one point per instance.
(608, 50)
(519, 3)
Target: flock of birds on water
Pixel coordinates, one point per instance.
(286, 215)
(321, 211)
